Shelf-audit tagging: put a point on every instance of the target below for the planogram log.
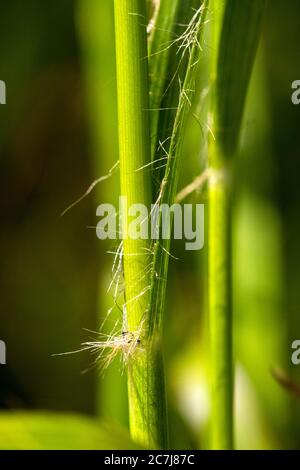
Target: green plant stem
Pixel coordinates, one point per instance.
(145, 371)
(170, 180)
(236, 31)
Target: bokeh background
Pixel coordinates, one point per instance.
(58, 133)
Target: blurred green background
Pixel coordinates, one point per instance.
(58, 133)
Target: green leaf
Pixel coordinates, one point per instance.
(147, 410)
(236, 31)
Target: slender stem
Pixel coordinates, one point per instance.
(236, 32)
(145, 372)
(219, 267)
